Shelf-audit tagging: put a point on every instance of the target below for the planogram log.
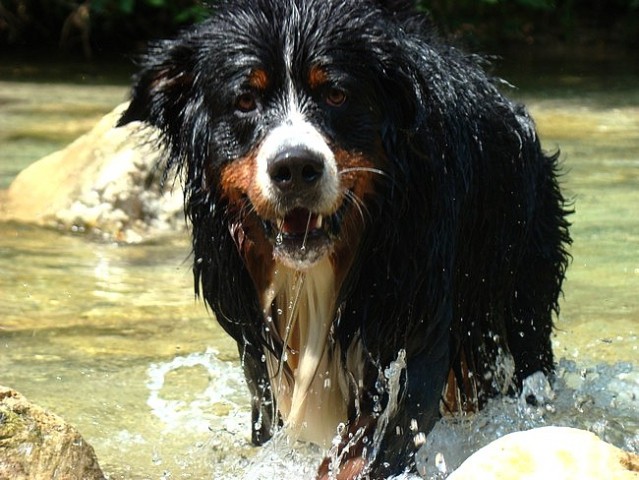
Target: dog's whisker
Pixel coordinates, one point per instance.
(377, 171)
(308, 226)
(365, 169)
(246, 209)
(357, 203)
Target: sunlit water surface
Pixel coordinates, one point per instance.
(111, 337)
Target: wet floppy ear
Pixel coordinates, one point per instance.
(402, 105)
(162, 88)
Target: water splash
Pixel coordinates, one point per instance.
(603, 399)
(392, 376)
(388, 381)
(223, 381)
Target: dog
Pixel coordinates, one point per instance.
(373, 222)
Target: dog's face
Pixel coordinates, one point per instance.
(287, 104)
(306, 154)
(298, 128)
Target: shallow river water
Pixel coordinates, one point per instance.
(111, 337)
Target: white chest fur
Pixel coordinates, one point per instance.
(314, 399)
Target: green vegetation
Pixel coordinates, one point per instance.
(576, 22)
(96, 27)
(93, 27)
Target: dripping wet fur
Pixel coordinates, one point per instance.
(362, 196)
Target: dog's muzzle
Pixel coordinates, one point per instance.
(298, 178)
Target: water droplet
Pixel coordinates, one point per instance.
(440, 462)
(156, 459)
(419, 439)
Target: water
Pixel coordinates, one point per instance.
(110, 336)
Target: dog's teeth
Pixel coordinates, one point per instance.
(319, 221)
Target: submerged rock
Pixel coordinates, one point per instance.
(549, 453)
(37, 444)
(106, 183)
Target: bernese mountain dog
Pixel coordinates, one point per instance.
(373, 222)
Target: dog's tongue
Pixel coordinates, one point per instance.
(297, 220)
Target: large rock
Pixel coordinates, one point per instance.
(107, 183)
(35, 444)
(549, 453)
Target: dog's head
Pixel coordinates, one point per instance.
(280, 111)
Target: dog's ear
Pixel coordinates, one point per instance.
(162, 88)
(402, 101)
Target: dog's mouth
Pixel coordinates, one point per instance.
(302, 237)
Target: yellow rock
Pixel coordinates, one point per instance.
(549, 453)
(106, 182)
(36, 444)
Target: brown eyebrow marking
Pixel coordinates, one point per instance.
(259, 79)
(317, 77)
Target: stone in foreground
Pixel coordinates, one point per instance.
(549, 453)
(36, 444)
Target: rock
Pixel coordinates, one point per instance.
(107, 183)
(549, 453)
(35, 444)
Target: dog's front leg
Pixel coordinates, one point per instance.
(347, 460)
(381, 440)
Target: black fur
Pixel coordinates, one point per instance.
(464, 251)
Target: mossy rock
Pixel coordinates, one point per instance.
(37, 444)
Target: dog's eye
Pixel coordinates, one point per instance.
(246, 102)
(335, 97)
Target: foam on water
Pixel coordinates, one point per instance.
(225, 380)
(603, 399)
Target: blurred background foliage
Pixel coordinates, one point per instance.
(95, 28)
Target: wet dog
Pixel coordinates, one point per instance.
(373, 222)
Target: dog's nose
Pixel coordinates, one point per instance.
(296, 169)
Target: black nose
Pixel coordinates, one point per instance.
(295, 169)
